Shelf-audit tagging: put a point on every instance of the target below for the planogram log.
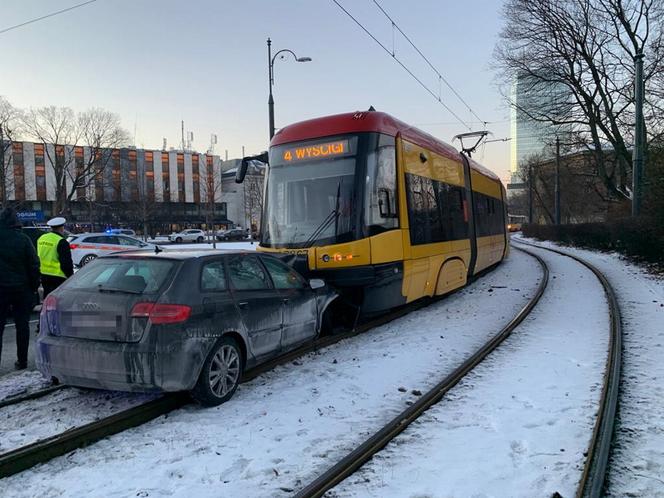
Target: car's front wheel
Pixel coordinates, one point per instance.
(178, 240)
(87, 258)
(220, 374)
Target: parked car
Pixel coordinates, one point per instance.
(122, 231)
(232, 234)
(176, 321)
(86, 247)
(189, 235)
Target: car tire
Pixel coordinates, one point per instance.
(86, 259)
(178, 240)
(199, 239)
(221, 373)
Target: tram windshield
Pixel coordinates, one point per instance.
(311, 193)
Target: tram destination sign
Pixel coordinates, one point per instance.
(315, 151)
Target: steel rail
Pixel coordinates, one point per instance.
(26, 396)
(599, 450)
(41, 451)
(365, 451)
(23, 458)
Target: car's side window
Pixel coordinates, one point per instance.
(213, 277)
(110, 239)
(283, 276)
(126, 241)
(103, 239)
(246, 273)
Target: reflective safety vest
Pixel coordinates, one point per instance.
(47, 249)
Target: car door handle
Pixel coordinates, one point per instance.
(243, 304)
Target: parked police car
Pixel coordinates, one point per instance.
(87, 246)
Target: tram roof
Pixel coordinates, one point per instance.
(369, 121)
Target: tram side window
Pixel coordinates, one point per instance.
(435, 211)
(454, 219)
(417, 210)
(488, 215)
(381, 199)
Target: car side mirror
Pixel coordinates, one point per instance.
(316, 283)
(384, 204)
(244, 165)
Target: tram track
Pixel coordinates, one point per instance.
(376, 442)
(591, 483)
(41, 451)
(27, 395)
(594, 472)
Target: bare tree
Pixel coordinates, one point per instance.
(61, 130)
(210, 191)
(253, 199)
(146, 205)
(586, 49)
(584, 198)
(9, 129)
(102, 132)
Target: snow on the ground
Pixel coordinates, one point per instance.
(288, 425)
(21, 382)
(636, 467)
(33, 420)
(519, 424)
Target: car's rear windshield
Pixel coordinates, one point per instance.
(131, 275)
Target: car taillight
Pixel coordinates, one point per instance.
(48, 315)
(73, 246)
(49, 304)
(159, 313)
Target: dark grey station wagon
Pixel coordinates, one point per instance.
(176, 321)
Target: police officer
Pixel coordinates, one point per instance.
(19, 280)
(54, 256)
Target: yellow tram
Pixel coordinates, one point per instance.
(382, 211)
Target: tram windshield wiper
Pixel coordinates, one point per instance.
(332, 217)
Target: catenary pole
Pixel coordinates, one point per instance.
(270, 99)
(639, 138)
(557, 186)
(530, 194)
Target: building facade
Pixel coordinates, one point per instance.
(533, 103)
(163, 190)
(244, 200)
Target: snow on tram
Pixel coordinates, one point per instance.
(382, 211)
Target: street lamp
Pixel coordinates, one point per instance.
(270, 61)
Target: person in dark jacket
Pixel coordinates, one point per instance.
(19, 280)
(55, 256)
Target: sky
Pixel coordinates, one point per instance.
(157, 62)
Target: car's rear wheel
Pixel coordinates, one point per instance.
(178, 240)
(199, 239)
(220, 374)
(87, 258)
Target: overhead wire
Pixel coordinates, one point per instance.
(62, 11)
(437, 97)
(440, 76)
